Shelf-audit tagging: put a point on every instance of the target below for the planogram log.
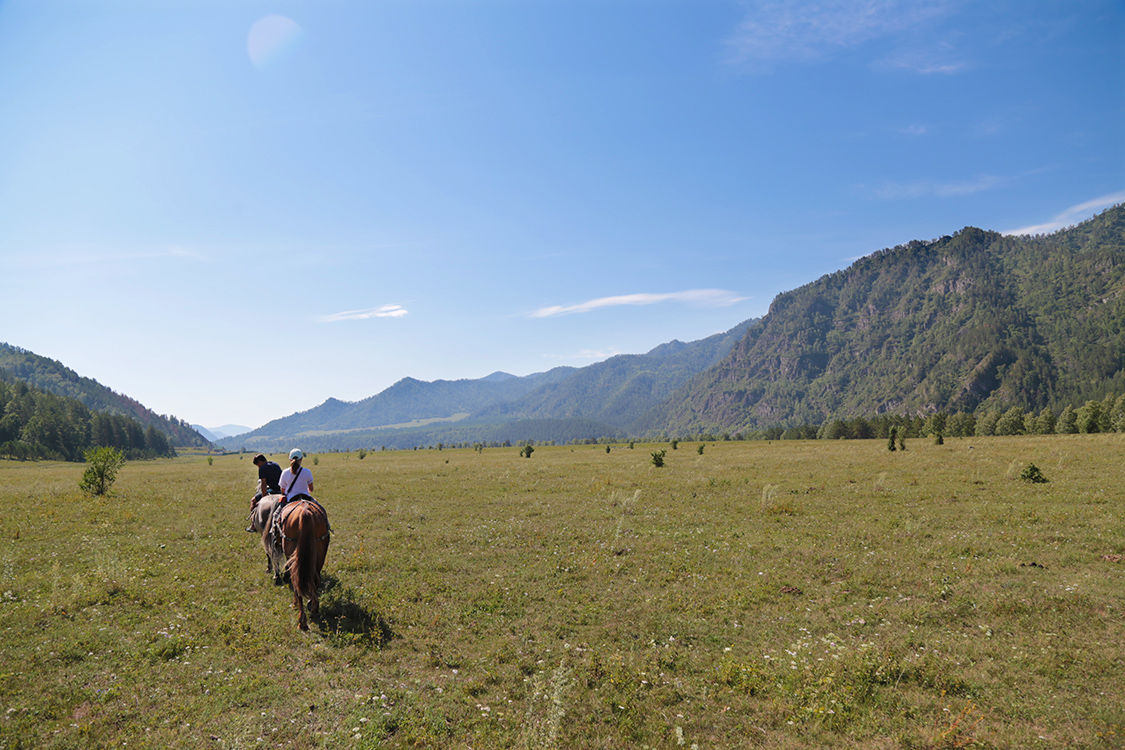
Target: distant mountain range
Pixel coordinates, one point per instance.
(218, 433)
(974, 320)
(605, 399)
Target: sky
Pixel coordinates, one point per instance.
(233, 210)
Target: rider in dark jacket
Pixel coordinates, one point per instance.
(269, 482)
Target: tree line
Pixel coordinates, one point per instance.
(35, 424)
(1106, 415)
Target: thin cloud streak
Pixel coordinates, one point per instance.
(1072, 215)
(704, 297)
(384, 311)
(802, 31)
(898, 190)
(69, 259)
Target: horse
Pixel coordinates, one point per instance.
(260, 521)
(305, 535)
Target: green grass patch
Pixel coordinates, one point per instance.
(778, 595)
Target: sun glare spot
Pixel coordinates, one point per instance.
(272, 39)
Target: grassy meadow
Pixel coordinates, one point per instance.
(776, 595)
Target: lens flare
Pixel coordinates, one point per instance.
(272, 39)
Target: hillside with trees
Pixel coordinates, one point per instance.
(973, 322)
(53, 377)
(35, 424)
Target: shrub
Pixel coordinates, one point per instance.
(658, 458)
(102, 470)
(1031, 473)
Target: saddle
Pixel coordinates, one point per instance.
(277, 516)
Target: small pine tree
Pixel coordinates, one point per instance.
(658, 458)
(938, 439)
(699, 450)
(891, 440)
(1031, 473)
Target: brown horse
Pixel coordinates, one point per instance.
(304, 539)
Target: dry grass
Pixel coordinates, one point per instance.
(777, 595)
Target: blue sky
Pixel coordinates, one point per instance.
(233, 210)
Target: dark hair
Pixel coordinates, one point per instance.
(258, 458)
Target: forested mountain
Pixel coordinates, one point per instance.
(38, 424)
(972, 320)
(53, 377)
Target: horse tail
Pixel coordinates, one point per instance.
(303, 572)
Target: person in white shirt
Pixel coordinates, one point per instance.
(296, 481)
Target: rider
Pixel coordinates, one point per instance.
(296, 481)
(269, 478)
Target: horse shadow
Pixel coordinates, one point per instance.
(345, 618)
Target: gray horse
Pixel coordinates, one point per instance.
(261, 522)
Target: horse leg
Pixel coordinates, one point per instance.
(302, 623)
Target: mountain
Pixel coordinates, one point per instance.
(53, 377)
(218, 433)
(565, 403)
(620, 390)
(975, 319)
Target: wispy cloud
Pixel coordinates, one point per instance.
(70, 257)
(929, 60)
(913, 130)
(384, 311)
(795, 30)
(1073, 215)
(924, 188)
(703, 297)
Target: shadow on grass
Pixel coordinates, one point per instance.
(345, 620)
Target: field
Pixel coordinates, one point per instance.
(776, 595)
